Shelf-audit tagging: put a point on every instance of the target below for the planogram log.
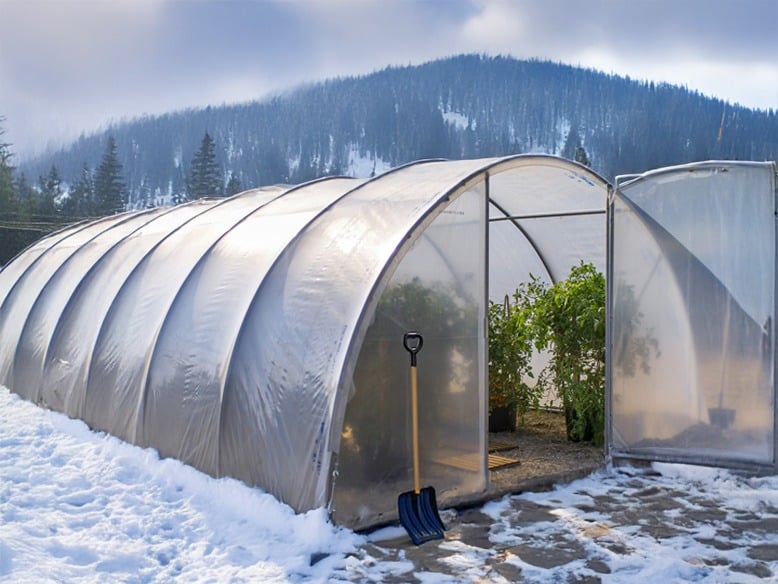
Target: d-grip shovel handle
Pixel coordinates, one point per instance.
(413, 342)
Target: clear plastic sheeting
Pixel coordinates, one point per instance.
(547, 215)
(692, 305)
(260, 336)
(440, 275)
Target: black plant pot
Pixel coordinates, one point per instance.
(571, 416)
(721, 417)
(502, 419)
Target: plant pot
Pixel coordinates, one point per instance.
(721, 417)
(502, 419)
(571, 417)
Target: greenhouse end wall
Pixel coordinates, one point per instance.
(691, 299)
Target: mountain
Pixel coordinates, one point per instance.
(459, 107)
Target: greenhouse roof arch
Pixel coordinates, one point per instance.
(252, 336)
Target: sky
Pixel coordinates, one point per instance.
(83, 507)
(73, 66)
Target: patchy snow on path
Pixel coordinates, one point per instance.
(82, 506)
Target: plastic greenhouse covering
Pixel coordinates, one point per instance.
(692, 315)
(260, 336)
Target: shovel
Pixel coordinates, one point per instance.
(418, 508)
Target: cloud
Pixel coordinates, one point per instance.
(72, 65)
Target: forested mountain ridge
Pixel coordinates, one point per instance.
(459, 107)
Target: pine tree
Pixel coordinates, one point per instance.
(80, 200)
(13, 237)
(233, 186)
(7, 194)
(25, 196)
(573, 148)
(8, 211)
(109, 192)
(50, 187)
(572, 143)
(582, 157)
(206, 177)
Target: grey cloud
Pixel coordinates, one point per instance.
(71, 65)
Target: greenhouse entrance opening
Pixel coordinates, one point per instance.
(545, 215)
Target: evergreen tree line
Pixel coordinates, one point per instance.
(29, 211)
(461, 107)
(467, 106)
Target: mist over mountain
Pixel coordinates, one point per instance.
(465, 106)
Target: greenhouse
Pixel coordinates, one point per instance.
(691, 277)
(260, 336)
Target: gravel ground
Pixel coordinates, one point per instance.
(546, 456)
(670, 523)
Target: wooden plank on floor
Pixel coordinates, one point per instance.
(498, 446)
(471, 462)
(499, 461)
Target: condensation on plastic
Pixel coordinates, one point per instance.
(229, 333)
(692, 313)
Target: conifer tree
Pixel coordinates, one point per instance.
(206, 177)
(109, 192)
(582, 157)
(573, 148)
(25, 196)
(12, 238)
(50, 192)
(233, 186)
(80, 201)
(572, 143)
(8, 211)
(7, 195)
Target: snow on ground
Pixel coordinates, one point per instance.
(81, 506)
(77, 505)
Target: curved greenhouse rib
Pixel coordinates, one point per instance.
(86, 286)
(529, 239)
(296, 234)
(54, 279)
(124, 391)
(35, 276)
(407, 242)
(151, 354)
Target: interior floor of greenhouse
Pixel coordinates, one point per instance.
(546, 457)
(536, 457)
